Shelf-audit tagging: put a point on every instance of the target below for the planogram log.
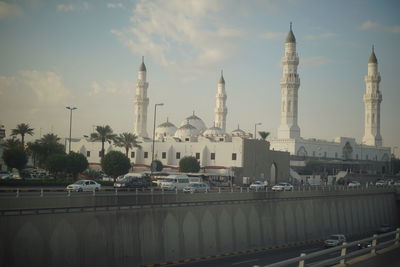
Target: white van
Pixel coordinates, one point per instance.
(175, 181)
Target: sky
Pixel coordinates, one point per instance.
(86, 54)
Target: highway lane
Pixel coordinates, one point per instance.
(269, 256)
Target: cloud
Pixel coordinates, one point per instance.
(314, 61)
(181, 33)
(327, 35)
(273, 35)
(73, 7)
(373, 25)
(115, 5)
(48, 87)
(9, 10)
(111, 87)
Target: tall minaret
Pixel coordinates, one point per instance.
(141, 102)
(220, 106)
(372, 103)
(290, 83)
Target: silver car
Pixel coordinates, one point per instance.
(196, 187)
(282, 187)
(84, 185)
(335, 240)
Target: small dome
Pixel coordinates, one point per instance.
(196, 122)
(290, 37)
(238, 131)
(165, 129)
(186, 130)
(142, 66)
(213, 131)
(372, 58)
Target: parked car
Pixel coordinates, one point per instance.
(381, 183)
(282, 187)
(334, 240)
(385, 228)
(84, 185)
(131, 182)
(196, 187)
(5, 175)
(396, 183)
(354, 184)
(259, 185)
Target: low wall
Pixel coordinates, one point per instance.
(144, 234)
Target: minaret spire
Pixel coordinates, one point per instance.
(220, 104)
(141, 102)
(372, 103)
(290, 83)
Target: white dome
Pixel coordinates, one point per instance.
(213, 131)
(165, 129)
(196, 122)
(186, 130)
(238, 131)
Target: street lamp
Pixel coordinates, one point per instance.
(70, 125)
(255, 129)
(154, 132)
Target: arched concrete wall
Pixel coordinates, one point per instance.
(158, 234)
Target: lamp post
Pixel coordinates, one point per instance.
(70, 126)
(154, 132)
(255, 129)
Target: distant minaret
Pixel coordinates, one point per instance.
(372, 103)
(290, 83)
(141, 102)
(220, 106)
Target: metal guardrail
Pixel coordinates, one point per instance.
(41, 192)
(343, 251)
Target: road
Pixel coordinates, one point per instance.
(268, 256)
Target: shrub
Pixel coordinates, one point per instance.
(189, 164)
(115, 163)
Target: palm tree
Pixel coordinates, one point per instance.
(128, 141)
(22, 129)
(49, 138)
(263, 135)
(12, 142)
(103, 134)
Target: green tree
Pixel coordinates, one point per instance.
(15, 157)
(189, 164)
(263, 135)
(56, 163)
(115, 163)
(127, 141)
(76, 163)
(157, 166)
(12, 142)
(44, 147)
(22, 129)
(103, 134)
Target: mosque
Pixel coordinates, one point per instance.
(237, 153)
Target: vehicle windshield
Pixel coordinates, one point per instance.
(80, 182)
(282, 184)
(170, 180)
(334, 237)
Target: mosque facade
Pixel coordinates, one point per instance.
(238, 154)
(341, 148)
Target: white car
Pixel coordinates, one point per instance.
(84, 185)
(354, 184)
(258, 185)
(196, 187)
(282, 187)
(335, 240)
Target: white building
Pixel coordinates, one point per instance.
(343, 148)
(220, 153)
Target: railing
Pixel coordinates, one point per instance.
(343, 251)
(236, 189)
